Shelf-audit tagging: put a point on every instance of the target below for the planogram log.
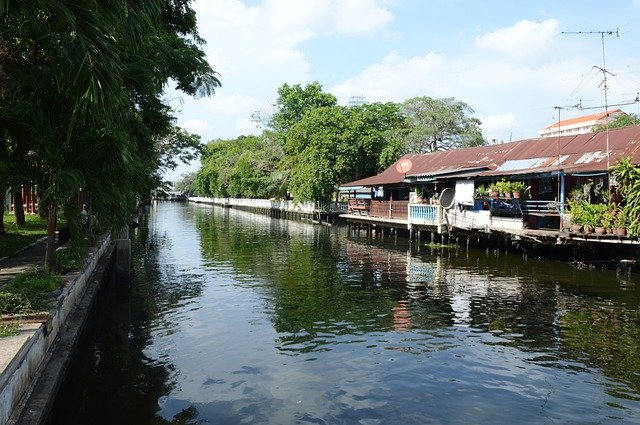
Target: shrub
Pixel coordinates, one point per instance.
(11, 303)
(35, 285)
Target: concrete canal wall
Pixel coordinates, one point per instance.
(22, 373)
(314, 211)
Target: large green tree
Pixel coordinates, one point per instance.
(81, 86)
(292, 103)
(439, 124)
(246, 167)
(332, 145)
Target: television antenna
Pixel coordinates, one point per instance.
(605, 87)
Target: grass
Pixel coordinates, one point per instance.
(35, 286)
(9, 329)
(20, 237)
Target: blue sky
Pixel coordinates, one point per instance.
(509, 60)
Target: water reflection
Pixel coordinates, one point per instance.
(235, 317)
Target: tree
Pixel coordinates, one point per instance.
(622, 120)
(439, 124)
(246, 167)
(292, 103)
(81, 87)
(331, 145)
(186, 184)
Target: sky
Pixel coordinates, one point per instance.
(518, 64)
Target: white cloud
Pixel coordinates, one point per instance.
(196, 126)
(522, 42)
(495, 125)
(328, 17)
(514, 99)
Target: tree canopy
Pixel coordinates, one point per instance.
(439, 124)
(323, 144)
(81, 88)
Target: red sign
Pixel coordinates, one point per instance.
(404, 166)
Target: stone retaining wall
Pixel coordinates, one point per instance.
(23, 370)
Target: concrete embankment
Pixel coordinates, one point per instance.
(40, 353)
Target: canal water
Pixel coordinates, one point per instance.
(238, 318)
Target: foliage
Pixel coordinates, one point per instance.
(68, 259)
(482, 190)
(9, 329)
(585, 213)
(439, 124)
(292, 103)
(35, 285)
(81, 89)
(336, 144)
(20, 237)
(186, 184)
(12, 303)
(627, 176)
(502, 187)
(244, 167)
(517, 186)
(623, 120)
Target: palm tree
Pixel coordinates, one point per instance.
(77, 78)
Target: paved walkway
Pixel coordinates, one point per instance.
(26, 259)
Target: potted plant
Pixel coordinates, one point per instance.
(608, 219)
(481, 191)
(621, 222)
(599, 212)
(503, 188)
(576, 214)
(493, 190)
(517, 188)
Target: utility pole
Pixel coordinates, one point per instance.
(605, 88)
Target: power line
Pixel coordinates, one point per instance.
(605, 87)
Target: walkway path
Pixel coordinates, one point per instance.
(23, 260)
(26, 259)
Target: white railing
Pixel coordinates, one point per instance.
(425, 214)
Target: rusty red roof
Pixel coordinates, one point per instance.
(582, 153)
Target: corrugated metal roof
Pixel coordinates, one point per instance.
(571, 154)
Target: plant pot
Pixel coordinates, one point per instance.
(587, 229)
(576, 228)
(494, 194)
(600, 231)
(517, 194)
(620, 231)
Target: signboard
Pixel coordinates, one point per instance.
(404, 166)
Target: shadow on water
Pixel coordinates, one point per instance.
(235, 317)
(111, 380)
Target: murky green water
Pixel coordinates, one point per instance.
(237, 318)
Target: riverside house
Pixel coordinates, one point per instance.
(448, 191)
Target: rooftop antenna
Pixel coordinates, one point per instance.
(605, 88)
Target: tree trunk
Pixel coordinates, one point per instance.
(50, 253)
(2, 197)
(18, 208)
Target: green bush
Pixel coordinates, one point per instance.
(35, 285)
(9, 329)
(11, 303)
(67, 260)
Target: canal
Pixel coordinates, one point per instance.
(238, 318)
